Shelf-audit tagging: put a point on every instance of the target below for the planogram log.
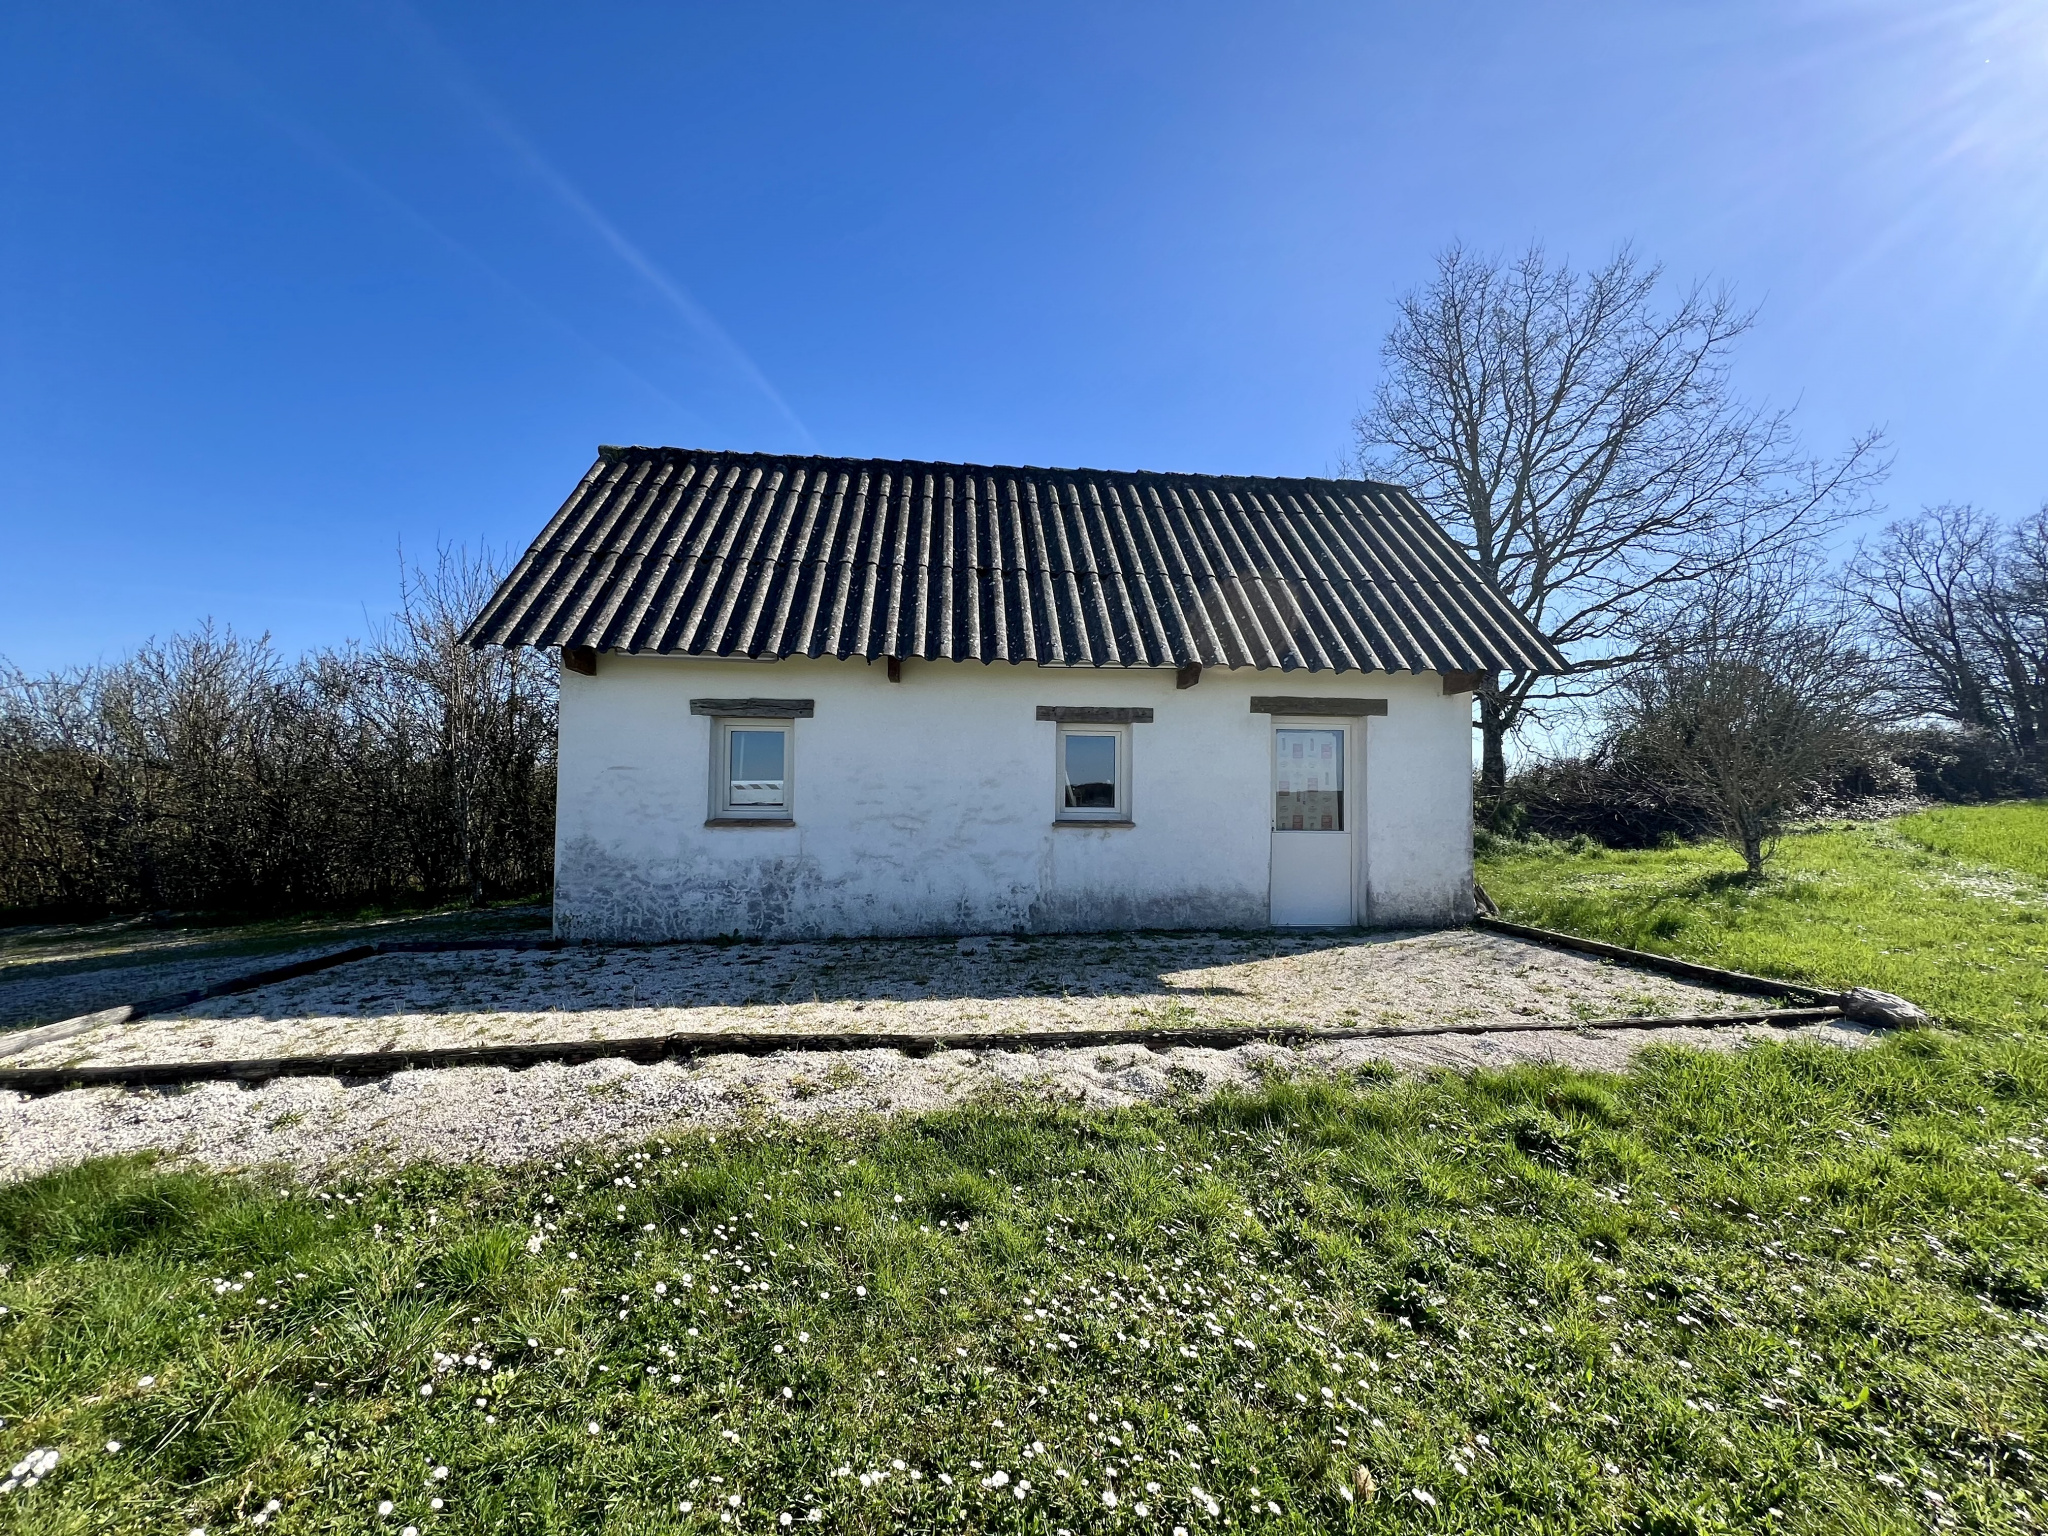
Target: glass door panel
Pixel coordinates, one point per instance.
(1308, 780)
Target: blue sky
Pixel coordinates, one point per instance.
(283, 287)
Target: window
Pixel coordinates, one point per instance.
(1308, 780)
(752, 771)
(1094, 773)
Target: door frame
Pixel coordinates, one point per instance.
(1353, 728)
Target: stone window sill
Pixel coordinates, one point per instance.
(1087, 825)
(750, 821)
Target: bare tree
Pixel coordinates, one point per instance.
(1760, 694)
(2012, 619)
(1959, 607)
(1918, 588)
(1587, 449)
(483, 719)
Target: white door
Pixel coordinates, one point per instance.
(1312, 817)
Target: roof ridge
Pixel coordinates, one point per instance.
(608, 452)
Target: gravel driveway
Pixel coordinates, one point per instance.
(915, 986)
(1410, 981)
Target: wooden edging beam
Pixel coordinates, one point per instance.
(1713, 975)
(652, 1048)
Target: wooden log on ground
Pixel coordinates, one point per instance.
(1712, 975)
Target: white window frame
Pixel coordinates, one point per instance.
(722, 808)
(1121, 811)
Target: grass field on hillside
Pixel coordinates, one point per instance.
(1948, 908)
(2009, 837)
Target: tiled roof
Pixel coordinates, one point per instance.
(666, 551)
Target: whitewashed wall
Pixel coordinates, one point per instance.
(926, 806)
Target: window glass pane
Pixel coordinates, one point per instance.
(757, 767)
(1088, 766)
(1309, 781)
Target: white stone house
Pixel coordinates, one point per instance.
(809, 697)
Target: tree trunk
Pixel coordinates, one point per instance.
(1493, 757)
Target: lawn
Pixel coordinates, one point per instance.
(2011, 837)
(1786, 1290)
(1797, 1289)
(1948, 908)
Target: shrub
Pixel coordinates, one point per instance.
(1964, 767)
(209, 772)
(1605, 796)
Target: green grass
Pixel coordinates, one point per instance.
(2011, 837)
(1783, 1291)
(1797, 1289)
(1946, 908)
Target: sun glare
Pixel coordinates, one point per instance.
(1946, 108)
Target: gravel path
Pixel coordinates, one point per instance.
(56, 971)
(314, 1125)
(475, 997)
(484, 1114)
